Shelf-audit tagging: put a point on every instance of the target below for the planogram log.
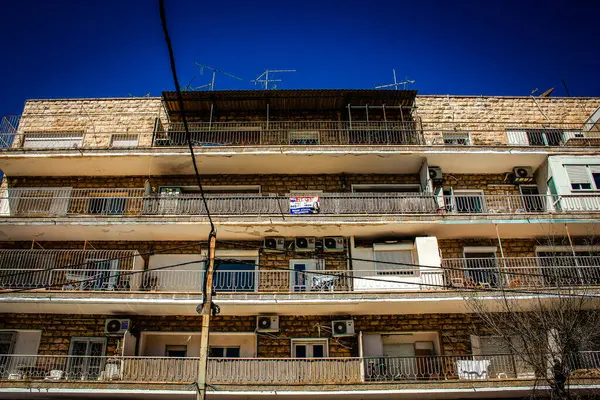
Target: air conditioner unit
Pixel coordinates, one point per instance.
(435, 173)
(342, 328)
(523, 172)
(267, 323)
(333, 243)
(274, 244)
(305, 244)
(116, 326)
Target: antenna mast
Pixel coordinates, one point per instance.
(215, 71)
(264, 80)
(396, 83)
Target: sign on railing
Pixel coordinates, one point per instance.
(304, 205)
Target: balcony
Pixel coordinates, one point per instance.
(111, 271)
(126, 202)
(472, 369)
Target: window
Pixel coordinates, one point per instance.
(395, 259)
(175, 351)
(583, 177)
(224, 352)
(87, 359)
(309, 348)
(56, 140)
(469, 201)
(124, 140)
(456, 138)
(535, 137)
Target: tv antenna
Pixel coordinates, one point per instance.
(396, 83)
(264, 80)
(188, 87)
(211, 84)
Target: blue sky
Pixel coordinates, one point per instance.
(114, 48)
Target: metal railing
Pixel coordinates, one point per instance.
(282, 371)
(522, 272)
(308, 133)
(56, 201)
(87, 269)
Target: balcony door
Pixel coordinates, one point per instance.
(532, 201)
(7, 344)
(301, 280)
(309, 348)
(481, 267)
(87, 358)
(469, 201)
(235, 276)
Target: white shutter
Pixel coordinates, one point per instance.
(578, 173)
(516, 137)
(594, 169)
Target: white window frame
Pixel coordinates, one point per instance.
(89, 340)
(396, 270)
(311, 265)
(593, 186)
(469, 193)
(384, 185)
(310, 341)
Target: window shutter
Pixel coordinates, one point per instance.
(517, 137)
(595, 169)
(577, 173)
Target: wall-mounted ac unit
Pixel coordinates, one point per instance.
(435, 173)
(333, 243)
(274, 244)
(113, 326)
(305, 244)
(342, 328)
(523, 174)
(267, 323)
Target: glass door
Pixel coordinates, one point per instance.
(532, 201)
(482, 269)
(87, 358)
(301, 280)
(316, 348)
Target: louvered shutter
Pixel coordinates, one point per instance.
(578, 174)
(595, 169)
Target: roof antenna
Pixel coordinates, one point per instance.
(264, 80)
(396, 83)
(211, 84)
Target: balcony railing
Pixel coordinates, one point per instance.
(123, 270)
(68, 269)
(522, 272)
(307, 133)
(57, 201)
(281, 371)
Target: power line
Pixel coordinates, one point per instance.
(118, 275)
(152, 252)
(163, 19)
(528, 274)
(490, 289)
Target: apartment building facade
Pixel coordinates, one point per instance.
(351, 227)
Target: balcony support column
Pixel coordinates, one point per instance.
(503, 268)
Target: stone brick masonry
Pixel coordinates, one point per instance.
(57, 330)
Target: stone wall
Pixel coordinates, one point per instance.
(280, 184)
(488, 117)
(485, 117)
(454, 330)
(98, 119)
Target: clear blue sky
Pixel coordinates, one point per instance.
(107, 48)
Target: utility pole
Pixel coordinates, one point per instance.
(206, 314)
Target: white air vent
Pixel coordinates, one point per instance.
(333, 243)
(116, 326)
(273, 244)
(342, 328)
(267, 323)
(305, 244)
(435, 173)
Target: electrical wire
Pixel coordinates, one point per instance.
(367, 278)
(117, 275)
(163, 19)
(345, 257)
(151, 253)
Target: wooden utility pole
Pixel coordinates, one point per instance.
(206, 313)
